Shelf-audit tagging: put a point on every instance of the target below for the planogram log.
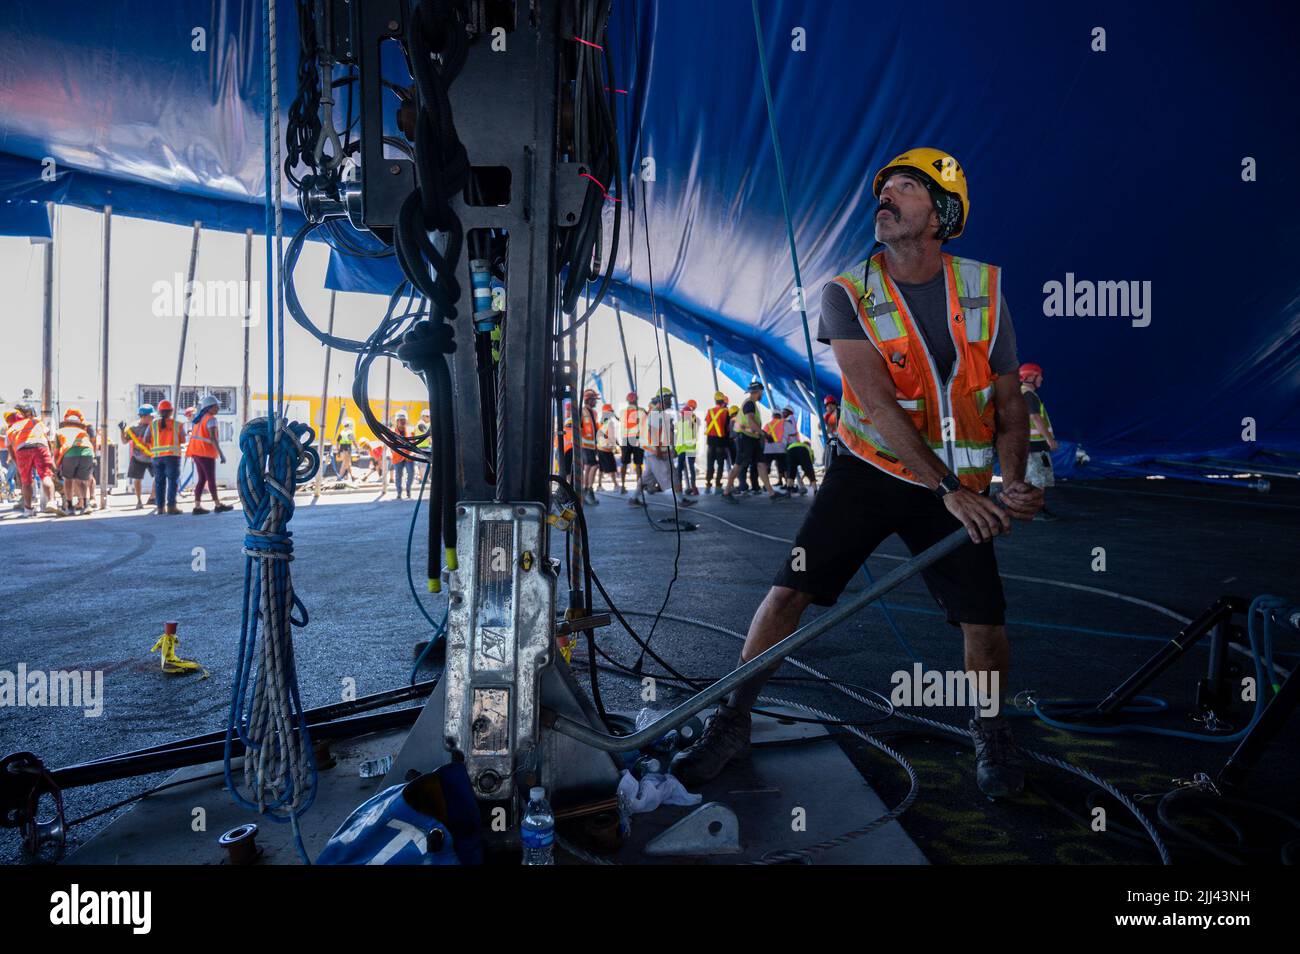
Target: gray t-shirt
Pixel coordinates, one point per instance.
(928, 303)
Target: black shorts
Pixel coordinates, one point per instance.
(589, 456)
(800, 458)
(606, 461)
(777, 461)
(76, 468)
(855, 509)
(137, 469)
(632, 455)
(749, 450)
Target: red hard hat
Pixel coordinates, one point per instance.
(691, 404)
(1029, 368)
(607, 407)
(830, 399)
(631, 395)
(164, 405)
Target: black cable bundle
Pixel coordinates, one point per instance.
(596, 146)
(304, 124)
(435, 28)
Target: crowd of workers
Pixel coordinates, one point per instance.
(45, 465)
(385, 463)
(658, 445)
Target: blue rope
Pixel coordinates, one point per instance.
(271, 606)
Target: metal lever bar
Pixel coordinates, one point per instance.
(724, 686)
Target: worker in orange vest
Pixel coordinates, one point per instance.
(166, 439)
(927, 361)
(75, 456)
(402, 464)
(634, 418)
(717, 439)
(203, 449)
(29, 443)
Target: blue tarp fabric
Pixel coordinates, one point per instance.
(1138, 145)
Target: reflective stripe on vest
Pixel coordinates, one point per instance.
(164, 444)
(633, 421)
(588, 428)
(715, 422)
(745, 424)
(201, 445)
(1034, 433)
(965, 401)
(70, 437)
(687, 433)
(28, 432)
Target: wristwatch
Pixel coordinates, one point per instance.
(949, 484)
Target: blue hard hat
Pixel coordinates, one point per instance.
(145, 409)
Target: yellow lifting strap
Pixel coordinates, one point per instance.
(172, 664)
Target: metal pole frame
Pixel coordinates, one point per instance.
(188, 292)
(246, 396)
(105, 445)
(713, 363)
(47, 324)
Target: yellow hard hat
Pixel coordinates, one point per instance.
(943, 176)
(719, 396)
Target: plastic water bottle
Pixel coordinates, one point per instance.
(538, 829)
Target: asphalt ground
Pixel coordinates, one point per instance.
(92, 593)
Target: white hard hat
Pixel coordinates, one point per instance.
(208, 400)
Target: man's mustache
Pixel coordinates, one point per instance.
(891, 209)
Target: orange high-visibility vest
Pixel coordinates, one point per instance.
(588, 428)
(633, 421)
(775, 430)
(166, 441)
(201, 443)
(715, 422)
(568, 436)
(28, 431)
(832, 419)
(69, 437)
(964, 403)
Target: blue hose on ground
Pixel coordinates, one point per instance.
(266, 712)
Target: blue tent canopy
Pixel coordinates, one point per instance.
(1162, 158)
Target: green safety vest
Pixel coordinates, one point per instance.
(688, 427)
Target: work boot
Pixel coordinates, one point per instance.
(200, 510)
(725, 739)
(172, 509)
(687, 501)
(222, 507)
(729, 498)
(997, 766)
